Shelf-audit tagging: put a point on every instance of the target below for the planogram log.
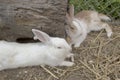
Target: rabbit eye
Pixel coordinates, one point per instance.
(59, 47)
(72, 28)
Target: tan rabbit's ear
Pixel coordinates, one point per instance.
(71, 11)
(68, 17)
(42, 36)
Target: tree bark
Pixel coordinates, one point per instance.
(18, 17)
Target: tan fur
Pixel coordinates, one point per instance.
(68, 39)
(83, 23)
(84, 15)
(87, 16)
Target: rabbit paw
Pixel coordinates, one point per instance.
(1, 68)
(66, 63)
(109, 34)
(71, 55)
(77, 45)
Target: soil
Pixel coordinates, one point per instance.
(98, 58)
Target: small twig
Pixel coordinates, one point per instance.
(98, 36)
(35, 78)
(116, 58)
(49, 77)
(114, 64)
(106, 69)
(64, 72)
(104, 75)
(98, 56)
(58, 69)
(90, 68)
(86, 48)
(110, 40)
(49, 72)
(76, 68)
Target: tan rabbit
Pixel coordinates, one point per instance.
(83, 23)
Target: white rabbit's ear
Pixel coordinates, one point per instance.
(42, 36)
(71, 10)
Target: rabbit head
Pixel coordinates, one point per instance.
(51, 41)
(74, 29)
(70, 28)
(60, 44)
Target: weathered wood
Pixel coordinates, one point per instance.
(18, 17)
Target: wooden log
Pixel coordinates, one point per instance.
(18, 17)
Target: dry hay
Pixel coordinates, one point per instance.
(98, 58)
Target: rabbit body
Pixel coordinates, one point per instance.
(93, 20)
(82, 23)
(14, 55)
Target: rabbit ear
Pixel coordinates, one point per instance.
(71, 10)
(42, 36)
(69, 19)
(70, 14)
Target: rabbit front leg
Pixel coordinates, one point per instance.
(107, 28)
(1, 68)
(71, 55)
(80, 39)
(102, 25)
(66, 63)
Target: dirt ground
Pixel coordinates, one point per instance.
(98, 58)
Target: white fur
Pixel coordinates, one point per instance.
(83, 23)
(52, 52)
(80, 34)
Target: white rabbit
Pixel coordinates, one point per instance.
(83, 23)
(52, 51)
